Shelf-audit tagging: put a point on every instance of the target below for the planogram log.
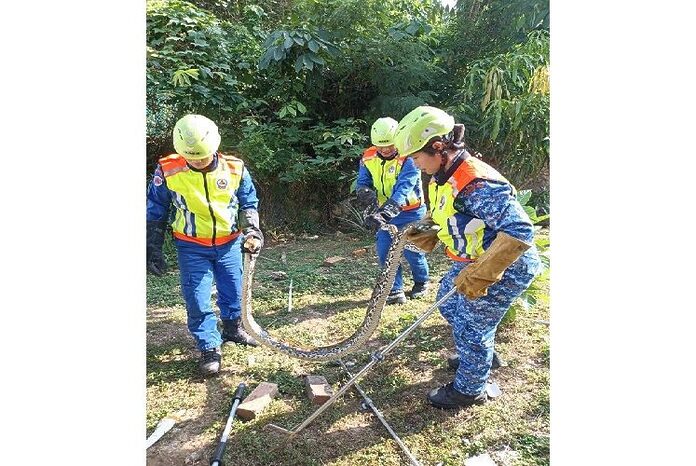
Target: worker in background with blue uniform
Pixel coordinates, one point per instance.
(487, 235)
(216, 216)
(391, 185)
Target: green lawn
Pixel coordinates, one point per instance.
(328, 304)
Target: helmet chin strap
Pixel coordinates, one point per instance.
(442, 175)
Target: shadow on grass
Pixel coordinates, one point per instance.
(404, 406)
(323, 441)
(172, 362)
(402, 403)
(251, 443)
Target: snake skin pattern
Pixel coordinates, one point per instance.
(356, 340)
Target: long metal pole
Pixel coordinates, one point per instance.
(216, 460)
(368, 402)
(376, 357)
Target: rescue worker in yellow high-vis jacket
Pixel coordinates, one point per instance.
(392, 185)
(216, 216)
(487, 235)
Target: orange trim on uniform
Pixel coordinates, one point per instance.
(369, 153)
(455, 257)
(173, 164)
(411, 207)
(172, 160)
(235, 165)
(207, 241)
(169, 157)
(470, 170)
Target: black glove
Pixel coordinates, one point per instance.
(384, 215)
(389, 210)
(253, 238)
(366, 196)
(154, 242)
(374, 221)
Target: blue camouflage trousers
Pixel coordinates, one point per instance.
(474, 322)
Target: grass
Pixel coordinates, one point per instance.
(328, 304)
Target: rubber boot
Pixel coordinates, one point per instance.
(447, 397)
(232, 331)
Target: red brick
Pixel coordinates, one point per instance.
(318, 389)
(257, 400)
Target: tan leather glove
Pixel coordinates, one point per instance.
(424, 235)
(473, 281)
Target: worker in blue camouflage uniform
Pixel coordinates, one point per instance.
(486, 233)
(390, 187)
(216, 217)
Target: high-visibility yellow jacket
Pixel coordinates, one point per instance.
(397, 178)
(207, 204)
(472, 205)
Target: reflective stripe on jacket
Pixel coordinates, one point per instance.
(206, 204)
(385, 174)
(463, 234)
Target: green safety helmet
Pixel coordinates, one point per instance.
(383, 130)
(196, 137)
(419, 126)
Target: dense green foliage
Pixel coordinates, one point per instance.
(294, 85)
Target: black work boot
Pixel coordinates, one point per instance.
(418, 291)
(453, 361)
(397, 297)
(233, 332)
(210, 361)
(447, 397)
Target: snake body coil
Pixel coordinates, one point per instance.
(356, 340)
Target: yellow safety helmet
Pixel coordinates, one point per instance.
(196, 137)
(382, 133)
(419, 126)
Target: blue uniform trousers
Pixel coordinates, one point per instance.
(198, 266)
(474, 322)
(417, 261)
